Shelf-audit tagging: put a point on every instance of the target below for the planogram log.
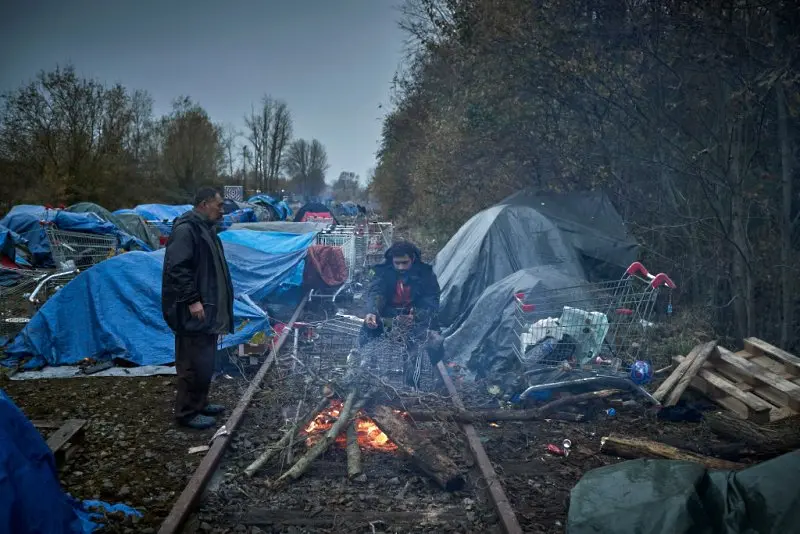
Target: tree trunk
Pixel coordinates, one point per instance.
(787, 265)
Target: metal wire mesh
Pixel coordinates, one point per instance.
(78, 248)
(23, 293)
(601, 324)
(328, 350)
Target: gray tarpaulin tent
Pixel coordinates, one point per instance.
(487, 334)
(577, 234)
(131, 226)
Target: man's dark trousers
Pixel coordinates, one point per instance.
(194, 363)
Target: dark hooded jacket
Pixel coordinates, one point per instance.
(195, 270)
(424, 289)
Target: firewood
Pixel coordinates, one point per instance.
(353, 451)
(349, 410)
(690, 373)
(764, 442)
(676, 375)
(633, 448)
(419, 449)
(287, 438)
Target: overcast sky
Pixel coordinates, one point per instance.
(332, 61)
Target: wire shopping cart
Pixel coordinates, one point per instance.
(343, 239)
(24, 292)
(79, 249)
(602, 325)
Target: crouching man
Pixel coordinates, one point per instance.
(197, 303)
(405, 293)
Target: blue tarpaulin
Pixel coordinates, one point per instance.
(31, 499)
(113, 310)
(281, 208)
(161, 215)
(9, 241)
(27, 221)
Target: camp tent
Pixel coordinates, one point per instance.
(314, 211)
(578, 235)
(136, 224)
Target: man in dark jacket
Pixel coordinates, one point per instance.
(197, 303)
(404, 290)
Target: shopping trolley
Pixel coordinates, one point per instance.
(79, 249)
(602, 325)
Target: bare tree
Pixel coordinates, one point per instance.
(306, 164)
(229, 136)
(279, 136)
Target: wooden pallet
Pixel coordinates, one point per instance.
(66, 438)
(760, 383)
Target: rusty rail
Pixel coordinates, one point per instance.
(194, 489)
(496, 493)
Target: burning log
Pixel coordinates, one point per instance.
(349, 411)
(420, 450)
(353, 452)
(633, 448)
(286, 439)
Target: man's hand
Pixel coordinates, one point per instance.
(197, 311)
(371, 320)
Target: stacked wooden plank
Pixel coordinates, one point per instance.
(760, 383)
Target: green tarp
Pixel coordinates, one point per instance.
(671, 497)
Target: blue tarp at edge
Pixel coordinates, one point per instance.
(9, 241)
(281, 207)
(113, 310)
(31, 498)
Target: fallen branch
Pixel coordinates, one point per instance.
(422, 452)
(353, 451)
(287, 438)
(350, 409)
(633, 448)
(548, 410)
(676, 375)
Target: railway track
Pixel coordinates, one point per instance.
(390, 496)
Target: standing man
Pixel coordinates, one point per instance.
(197, 303)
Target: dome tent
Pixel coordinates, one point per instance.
(574, 233)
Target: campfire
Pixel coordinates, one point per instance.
(368, 435)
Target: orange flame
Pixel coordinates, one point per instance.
(368, 434)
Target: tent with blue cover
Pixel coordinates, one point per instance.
(31, 498)
(29, 223)
(279, 209)
(137, 225)
(113, 311)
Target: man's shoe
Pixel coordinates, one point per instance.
(198, 422)
(213, 409)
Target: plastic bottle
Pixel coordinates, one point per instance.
(611, 412)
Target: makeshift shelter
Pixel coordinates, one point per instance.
(161, 215)
(575, 234)
(128, 225)
(31, 498)
(114, 309)
(487, 335)
(283, 226)
(137, 225)
(13, 249)
(314, 211)
(29, 223)
(277, 213)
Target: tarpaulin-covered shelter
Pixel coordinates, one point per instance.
(127, 225)
(29, 223)
(487, 334)
(161, 215)
(273, 206)
(575, 233)
(31, 498)
(114, 309)
(283, 226)
(137, 225)
(312, 211)
(13, 249)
